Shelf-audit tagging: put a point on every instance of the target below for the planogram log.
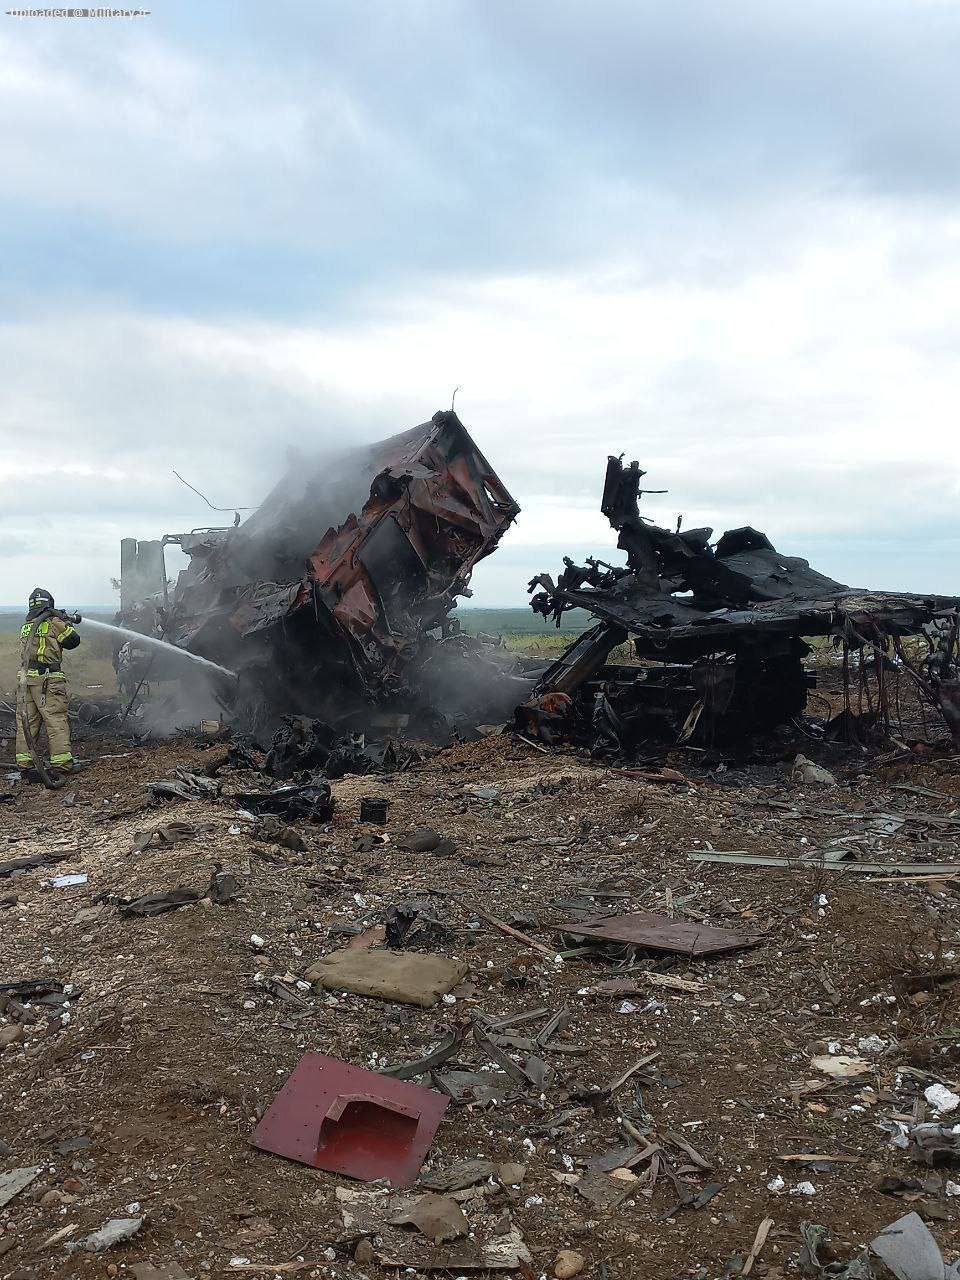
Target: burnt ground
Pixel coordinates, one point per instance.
(172, 1044)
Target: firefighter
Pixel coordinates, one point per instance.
(41, 684)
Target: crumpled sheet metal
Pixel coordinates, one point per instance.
(376, 544)
(445, 504)
(341, 1118)
(311, 800)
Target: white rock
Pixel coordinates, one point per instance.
(840, 1066)
(942, 1100)
(871, 1044)
(805, 770)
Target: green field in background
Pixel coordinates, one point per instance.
(514, 622)
(521, 622)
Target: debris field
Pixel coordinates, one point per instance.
(759, 1082)
(660, 979)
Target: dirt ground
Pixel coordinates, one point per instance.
(139, 1097)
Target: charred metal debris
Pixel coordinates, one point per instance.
(332, 600)
(720, 631)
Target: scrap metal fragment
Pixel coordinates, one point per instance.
(908, 1248)
(156, 904)
(457, 1177)
(699, 1201)
(312, 801)
(435, 1216)
(16, 1180)
(677, 1140)
(168, 833)
(413, 922)
(616, 1158)
(423, 840)
(556, 1024)
(827, 864)
(36, 860)
(347, 1120)
(167, 1270)
(928, 1142)
(441, 1054)
(499, 1253)
(602, 1191)
(480, 1087)
(660, 933)
(184, 785)
(113, 1232)
(496, 1055)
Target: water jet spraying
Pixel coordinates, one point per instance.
(162, 646)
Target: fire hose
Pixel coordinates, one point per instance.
(51, 782)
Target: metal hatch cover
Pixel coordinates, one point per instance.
(341, 1118)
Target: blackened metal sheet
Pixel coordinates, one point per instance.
(660, 933)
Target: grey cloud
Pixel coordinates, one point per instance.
(450, 136)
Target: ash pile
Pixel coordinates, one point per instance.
(719, 634)
(332, 601)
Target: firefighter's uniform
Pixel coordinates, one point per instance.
(41, 684)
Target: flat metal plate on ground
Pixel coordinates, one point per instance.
(660, 933)
(347, 1120)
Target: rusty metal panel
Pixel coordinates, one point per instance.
(341, 1118)
(328, 596)
(660, 933)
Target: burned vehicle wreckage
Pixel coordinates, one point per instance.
(332, 600)
(332, 603)
(720, 632)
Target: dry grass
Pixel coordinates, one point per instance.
(89, 665)
(554, 643)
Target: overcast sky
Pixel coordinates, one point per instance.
(720, 237)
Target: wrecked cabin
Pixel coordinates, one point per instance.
(719, 632)
(332, 598)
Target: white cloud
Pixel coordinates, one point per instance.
(817, 402)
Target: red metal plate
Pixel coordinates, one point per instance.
(660, 933)
(347, 1120)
